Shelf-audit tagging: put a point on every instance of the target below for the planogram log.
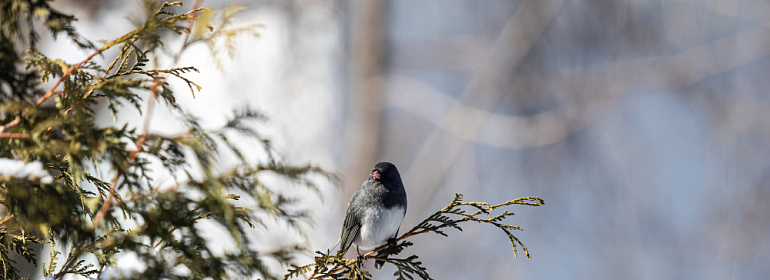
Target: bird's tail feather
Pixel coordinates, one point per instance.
(378, 264)
(334, 246)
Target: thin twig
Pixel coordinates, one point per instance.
(109, 68)
(8, 218)
(90, 91)
(69, 71)
(13, 135)
(70, 261)
(190, 22)
(10, 124)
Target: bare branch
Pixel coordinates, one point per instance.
(7, 218)
(13, 135)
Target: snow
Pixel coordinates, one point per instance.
(21, 170)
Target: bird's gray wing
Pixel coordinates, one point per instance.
(351, 226)
(349, 231)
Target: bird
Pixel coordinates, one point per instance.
(375, 212)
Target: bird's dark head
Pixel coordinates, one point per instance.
(385, 171)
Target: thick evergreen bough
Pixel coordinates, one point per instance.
(101, 200)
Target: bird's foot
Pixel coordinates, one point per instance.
(360, 261)
(392, 242)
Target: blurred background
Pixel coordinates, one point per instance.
(644, 124)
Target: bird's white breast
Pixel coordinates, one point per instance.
(377, 226)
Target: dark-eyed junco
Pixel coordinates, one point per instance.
(375, 211)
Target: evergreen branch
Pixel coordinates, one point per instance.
(335, 266)
(107, 71)
(69, 71)
(78, 208)
(408, 266)
(71, 258)
(139, 144)
(17, 240)
(49, 270)
(131, 36)
(107, 204)
(150, 102)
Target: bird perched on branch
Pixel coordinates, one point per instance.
(375, 212)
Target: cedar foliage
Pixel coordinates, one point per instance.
(102, 199)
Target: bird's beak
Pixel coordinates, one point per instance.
(376, 175)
